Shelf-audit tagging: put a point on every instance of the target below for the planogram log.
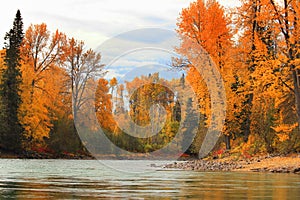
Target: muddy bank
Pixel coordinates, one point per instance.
(278, 164)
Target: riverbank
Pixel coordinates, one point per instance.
(276, 164)
(44, 155)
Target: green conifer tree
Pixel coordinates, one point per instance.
(11, 129)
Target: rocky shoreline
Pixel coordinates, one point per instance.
(270, 164)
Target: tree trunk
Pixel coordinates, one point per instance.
(227, 142)
(248, 118)
(297, 95)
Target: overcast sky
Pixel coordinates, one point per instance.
(94, 21)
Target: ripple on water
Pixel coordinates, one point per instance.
(70, 179)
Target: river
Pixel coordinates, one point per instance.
(92, 179)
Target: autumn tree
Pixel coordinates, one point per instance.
(287, 17)
(103, 106)
(205, 23)
(204, 26)
(256, 46)
(42, 53)
(265, 33)
(62, 136)
(82, 66)
(146, 92)
(120, 106)
(113, 84)
(11, 129)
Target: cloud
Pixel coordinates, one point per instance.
(94, 21)
(129, 73)
(139, 52)
(140, 45)
(147, 36)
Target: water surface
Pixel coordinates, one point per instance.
(91, 179)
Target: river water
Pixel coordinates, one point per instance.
(92, 179)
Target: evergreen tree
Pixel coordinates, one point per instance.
(190, 125)
(11, 129)
(182, 81)
(177, 111)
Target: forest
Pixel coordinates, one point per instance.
(255, 48)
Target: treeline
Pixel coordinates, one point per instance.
(256, 50)
(151, 118)
(40, 71)
(47, 81)
(255, 47)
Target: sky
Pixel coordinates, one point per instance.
(99, 22)
(95, 21)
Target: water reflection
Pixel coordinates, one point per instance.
(89, 180)
(243, 186)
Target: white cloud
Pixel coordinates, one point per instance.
(95, 20)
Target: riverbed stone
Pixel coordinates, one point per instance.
(231, 165)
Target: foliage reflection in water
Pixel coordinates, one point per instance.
(90, 179)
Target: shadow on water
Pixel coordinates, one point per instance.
(65, 179)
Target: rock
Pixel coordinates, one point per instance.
(255, 170)
(296, 170)
(231, 165)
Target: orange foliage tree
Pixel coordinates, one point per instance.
(205, 24)
(41, 55)
(103, 105)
